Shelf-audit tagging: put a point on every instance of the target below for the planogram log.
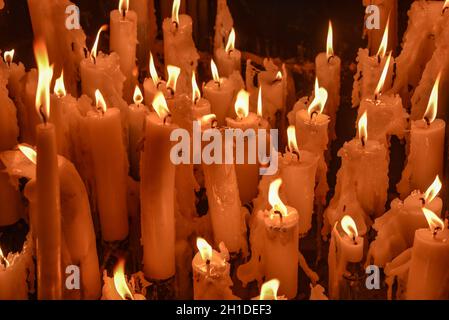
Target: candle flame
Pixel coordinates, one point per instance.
(291, 137)
(446, 4)
(433, 190)
(28, 152)
(269, 290)
(213, 68)
(93, 52)
(363, 127)
(274, 199)
(349, 227)
(242, 104)
(8, 56)
(175, 11)
(153, 71)
(123, 6)
(384, 43)
(319, 101)
(207, 119)
(59, 88)
(230, 45)
(432, 106)
(204, 248)
(330, 40)
(173, 75)
(435, 223)
(196, 93)
(137, 97)
(383, 76)
(160, 105)
(100, 102)
(3, 258)
(259, 103)
(279, 75)
(120, 283)
(44, 79)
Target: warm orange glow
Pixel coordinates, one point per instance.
(28, 152)
(153, 71)
(196, 93)
(446, 4)
(173, 75)
(242, 104)
(3, 258)
(432, 107)
(230, 45)
(274, 199)
(120, 283)
(330, 40)
(8, 56)
(349, 227)
(208, 119)
(160, 105)
(269, 290)
(123, 6)
(383, 77)
(213, 68)
(363, 128)
(319, 101)
(433, 190)
(137, 97)
(59, 88)
(259, 103)
(175, 11)
(291, 136)
(204, 248)
(384, 44)
(279, 75)
(44, 79)
(93, 52)
(435, 223)
(100, 102)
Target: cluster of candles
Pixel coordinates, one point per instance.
(89, 166)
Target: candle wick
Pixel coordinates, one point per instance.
(176, 25)
(423, 201)
(167, 119)
(218, 83)
(330, 58)
(444, 10)
(124, 14)
(277, 212)
(158, 84)
(379, 60)
(172, 92)
(313, 114)
(230, 51)
(363, 141)
(42, 113)
(427, 121)
(214, 123)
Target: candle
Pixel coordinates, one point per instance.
(179, 48)
(220, 93)
(117, 287)
(228, 58)
(211, 279)
(369, 71)
(223, 24)
(110, 169)
(298, 170)
(362, 180)
(48, 215)
(328, 67)
(343, 250)
(157, 198)
(137, 115)
(426, 153)
(429, 260)
(269, 291)
(123, 41)
(246, 168)
(16, 73)
(386, 115)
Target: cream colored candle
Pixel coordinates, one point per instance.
(223, 24)
(60, 100)
(428, 276)
(110, 169)
(123, 41)
(426, 153)
(157, 198)
(154, 84)
(228, 58)
(273, 84)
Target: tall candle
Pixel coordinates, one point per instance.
(123, 41)
(228, 58)
(223, 24)
(60, 101)
(110, 169)
(157, 198)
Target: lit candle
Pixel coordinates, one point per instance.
(269, 291)
(298, 170)
(110, 169)
(48, 215)
(117, 287)
(328, 67)
(228, 58)
(426, 153)
(123, 41)
(428, 276)
(157, 198)
(211, 279)
(223, 24)
(179, 48)
(220, 93)
(154, 83)
(16, 73)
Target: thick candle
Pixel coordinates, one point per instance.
(228, 58)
